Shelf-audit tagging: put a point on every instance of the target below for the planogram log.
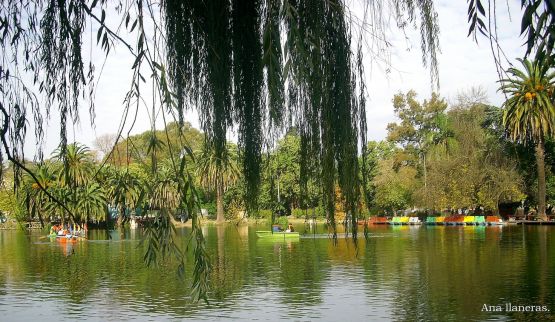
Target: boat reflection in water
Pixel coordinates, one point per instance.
(424, 272)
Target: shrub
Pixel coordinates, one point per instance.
(281, 221)
(264, 214)
(299, 213)
(317, 212)
(211, 208)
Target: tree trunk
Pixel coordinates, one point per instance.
(108, 217)
(220, 216)
(540, 161)
(41, 221)
(120, 216)
(120, 221)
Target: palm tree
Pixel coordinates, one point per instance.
(124, 191)
(529, 112)
(164, 190)
(92, 201)
(75, 172)
(35, 198)
(77, 168)
(218, 173)
(65, 196)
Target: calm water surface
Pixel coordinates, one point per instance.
(399, 273)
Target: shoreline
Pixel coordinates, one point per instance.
(203, 222)
(246, 221)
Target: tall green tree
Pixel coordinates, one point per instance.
(77, 164)
(284, 172)
(92, 203)
(375, 152)
(124, 191)
(283, 168)
(475, 170)
(421, 126)
(35, 198)
(529, 111)
(218, 174)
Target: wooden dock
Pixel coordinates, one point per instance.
(534, 222)
(33, 225)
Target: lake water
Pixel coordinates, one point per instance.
(399, 273)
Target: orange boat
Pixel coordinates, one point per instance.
(67, 239)
(494, 220)
(376, 220)
(454, 220)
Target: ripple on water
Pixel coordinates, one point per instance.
(401, 273)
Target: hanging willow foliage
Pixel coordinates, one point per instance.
(257, 66)
(224, 55)
(248, 78)
(40, 40)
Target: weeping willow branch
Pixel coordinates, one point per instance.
(226, 59)
(538, 19)
(3, 133)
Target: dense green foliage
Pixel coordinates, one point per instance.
(438, 157)
(529, 111)
(448, 157)
(218, 174)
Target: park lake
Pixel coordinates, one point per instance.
(158, 160)
(429, 273)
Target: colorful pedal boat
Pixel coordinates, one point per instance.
(276, 234)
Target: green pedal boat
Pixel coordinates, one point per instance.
(276, 234)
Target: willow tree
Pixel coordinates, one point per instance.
(536, 26)
(529, 111)
(254, 64)
(250, 65)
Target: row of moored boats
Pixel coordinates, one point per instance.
(435, 220)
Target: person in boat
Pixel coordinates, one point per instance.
(276, 228)
(289, 228)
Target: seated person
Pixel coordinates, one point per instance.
(290, 228)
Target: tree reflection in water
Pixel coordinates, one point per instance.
(429, 273)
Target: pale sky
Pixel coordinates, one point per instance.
(462, 65)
